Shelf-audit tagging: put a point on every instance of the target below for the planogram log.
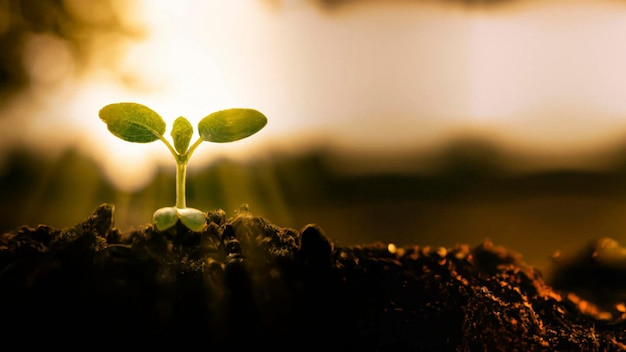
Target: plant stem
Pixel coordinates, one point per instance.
(169, 146)
(181, 174)
(193, 147)
(181, 169)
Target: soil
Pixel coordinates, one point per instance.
(247, 283)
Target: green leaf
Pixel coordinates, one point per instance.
(133, 122)
(181, 134)
(165, 218)
(231, 125)
(194, 219)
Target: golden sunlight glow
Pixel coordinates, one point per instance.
(550, 76)
(39, 51)
(379, 76)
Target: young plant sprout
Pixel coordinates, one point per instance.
(137, 123)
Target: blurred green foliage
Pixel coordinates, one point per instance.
(78, 23)
(469, 196)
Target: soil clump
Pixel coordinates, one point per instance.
(245, 282)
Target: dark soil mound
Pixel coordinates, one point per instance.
(245, 282)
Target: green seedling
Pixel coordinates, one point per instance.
(137, 123)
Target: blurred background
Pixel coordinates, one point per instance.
(434, 123)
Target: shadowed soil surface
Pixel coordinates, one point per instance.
(247, 283)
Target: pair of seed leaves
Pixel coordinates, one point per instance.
(137, 123)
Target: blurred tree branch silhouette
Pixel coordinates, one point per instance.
(72, 33)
